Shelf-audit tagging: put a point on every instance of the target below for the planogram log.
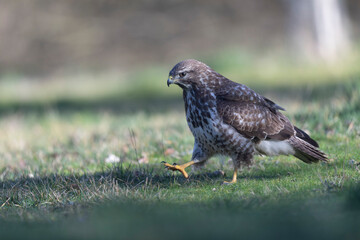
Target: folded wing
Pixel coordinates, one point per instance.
(252, 115)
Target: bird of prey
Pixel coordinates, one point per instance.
(228, 118)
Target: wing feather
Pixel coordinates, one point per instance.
(251, 114)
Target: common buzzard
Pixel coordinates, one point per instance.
(230, 119)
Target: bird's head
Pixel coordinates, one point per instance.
(188, 74)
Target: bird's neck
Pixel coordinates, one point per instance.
(199, 98)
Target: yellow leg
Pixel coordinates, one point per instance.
(180, 168)
(234, 177)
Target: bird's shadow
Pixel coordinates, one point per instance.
(133, 177)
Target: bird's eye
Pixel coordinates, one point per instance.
(182, 74)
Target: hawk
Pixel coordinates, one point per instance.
(228, 118)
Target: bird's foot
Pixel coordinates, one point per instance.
(180, 168)
(233, 179)
(229, 183)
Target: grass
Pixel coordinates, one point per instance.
(55, 180)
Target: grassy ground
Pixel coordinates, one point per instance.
(55, 180)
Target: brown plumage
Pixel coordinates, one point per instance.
(231, 119)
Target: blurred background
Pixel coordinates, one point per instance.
(86, 117)
(95, 50)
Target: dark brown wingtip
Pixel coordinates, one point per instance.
(304, 136)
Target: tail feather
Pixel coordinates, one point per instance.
(306, 151)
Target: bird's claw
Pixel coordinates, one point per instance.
(169, 166)
(228, 183)
(175, 167)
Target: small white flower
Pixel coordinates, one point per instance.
(31, 175)
(112, 159)
(144, 159)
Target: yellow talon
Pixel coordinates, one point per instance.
(180, 168)
(234, 179)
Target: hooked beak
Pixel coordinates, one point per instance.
(170, 81)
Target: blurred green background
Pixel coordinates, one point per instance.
(64, 51)
(86, 118)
